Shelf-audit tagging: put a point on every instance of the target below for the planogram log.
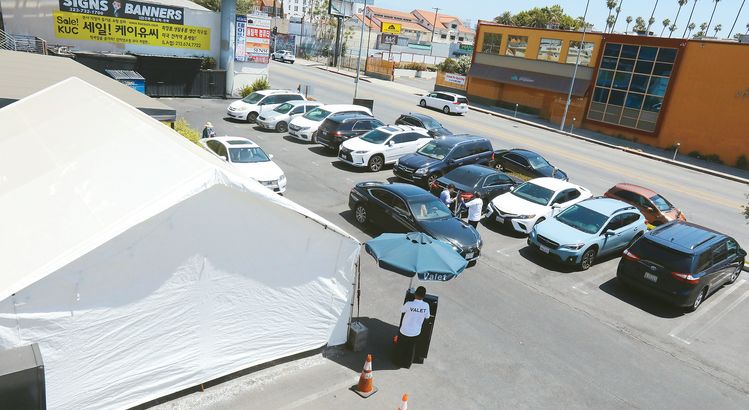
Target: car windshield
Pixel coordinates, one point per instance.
(247, 155)
(428, 207)
(463, 176)
(582, 219)
(662, 203)
(318, 114)
(431, 123)
(434, 150)
(283, 108)
(253, 98)
(375, 136)
(534, 193)
(538, 162)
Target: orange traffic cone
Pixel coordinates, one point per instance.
(404, 402)
(366, 387)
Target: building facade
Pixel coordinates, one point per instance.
(653, 90)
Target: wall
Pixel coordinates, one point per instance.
(445, 85)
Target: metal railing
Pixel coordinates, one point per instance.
(17, 42)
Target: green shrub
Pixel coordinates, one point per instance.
(208, 63)
(183, 127)
(415, 66)
(713, 158)
(260, 84)
(742, 162)
(246, 90)
(695, 154)
(459, 66)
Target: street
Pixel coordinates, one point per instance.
(514, 330)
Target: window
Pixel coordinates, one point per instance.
(452, 37)
(517, 159)
(491, 43)
(461, 151)
(497, 179)
(583, 50)
(443, 36)
(453, 26)
(407, 137)
(704, 261)
(214, 146)
(630, 218)
(617, 222)
(461, 38)
(297, 110)
(363, 125)
(731, 245)
(516, 46)
(549, 49)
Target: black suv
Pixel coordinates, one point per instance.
(682, 263)
(433, 127)
(440, 156)
(340, 127)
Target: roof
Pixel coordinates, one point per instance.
(347, 116)
(684, 236)
(530, 79)
(397, 129)
(477, 170)
(124, 75)
(457, 139)
(269, 92)
(442, 19)
(391, 13)
(636, 189)
(606, 206)
(25, 74)
(554, 184)
(343, 107)
(234, 141)
(419, 115)
(370, 23)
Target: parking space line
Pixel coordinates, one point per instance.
(314, 163)
(703, 310)
(587, 282)
(720, 315)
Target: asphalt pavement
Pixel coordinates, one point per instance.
(513, 331)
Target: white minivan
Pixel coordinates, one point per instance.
(250, 107)
(305, 126)
(448, 103)
(383, 145)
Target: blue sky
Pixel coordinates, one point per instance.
(488, 9)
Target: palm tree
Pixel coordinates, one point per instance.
(652, 18)
(681, 4)
(717, 29)
(711, 15)
(747, 28)
(665, 22)
(690, 27)
(629, 21)
(610, 23)
(689, 21)
(671, 29)
(737, 19)
(610, 4)
(618, 10)
(703, 30)
(639, 24)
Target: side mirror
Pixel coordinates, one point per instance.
(556, 206)
(391, 143)
(608, 232)
(224, 158)
(270, 156)
(742, 253)
(650, 209)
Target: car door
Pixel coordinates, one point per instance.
(402, 218)
(458, 156)
(398, 146)
(722, 265)
(381, 209)
(564, 199)
(734, 260)
(495, 184)
(432, 100)
(613, 237)
(296, 111)
(269, 103)
(213, 145)
(515, 163)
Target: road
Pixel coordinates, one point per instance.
(513, 331)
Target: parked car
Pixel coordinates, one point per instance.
(284, 56)
(250, 107)
(476, 178)
(587, 230)
(278, 118)
(305, 127)
(342, 126)
(383, 145)
(448, 103)
(440, 156)
(407, 208)
(681, 263)
(248, 159)
(657, 209)
(433, 126)
(527, 163)
(535, 201)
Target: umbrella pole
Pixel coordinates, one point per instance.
(411, 283)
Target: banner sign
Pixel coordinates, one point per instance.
(125, 9)
(390, 28)
(77, 26)
(252, 39)
(455, 78)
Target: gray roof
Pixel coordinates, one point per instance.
(26, 73)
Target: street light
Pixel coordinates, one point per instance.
(574, 73)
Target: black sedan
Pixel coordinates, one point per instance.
(476, 178)
(406, 208)
(433, 127)
(526, 163)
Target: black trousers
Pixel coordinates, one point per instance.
(474, 224)
(405, 350)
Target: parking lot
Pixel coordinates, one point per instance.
(517, 328)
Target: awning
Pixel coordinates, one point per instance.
(530, 79)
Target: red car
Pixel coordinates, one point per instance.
(656, 209)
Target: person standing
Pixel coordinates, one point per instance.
(475, 207)
(447, 196)
(414, 314)
(208, 131)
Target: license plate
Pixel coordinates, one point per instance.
(651, 277)
(500, 219)
(469, 255)
(543, 249)
(346, 157)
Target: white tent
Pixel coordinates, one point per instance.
(141, 264)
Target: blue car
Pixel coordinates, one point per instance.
(588, 229)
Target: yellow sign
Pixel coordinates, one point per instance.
(77, 26)
(390, 28)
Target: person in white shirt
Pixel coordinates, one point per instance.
(414, 314)
(474, 206)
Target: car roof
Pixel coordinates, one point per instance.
(636, 189)
(524, 153)
(269, 92)
(397, 129)
(555, 184)
(419, 116)
(303, 102)
(453, 94)
(349, 116)
(451, 140)
(344, 107)
(403, 190)
(685, 236)
(478, 170)
(234, 141)
(606, 206)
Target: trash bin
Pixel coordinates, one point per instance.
(425, 338)
(22, 383)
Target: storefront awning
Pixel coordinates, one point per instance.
(530, 79)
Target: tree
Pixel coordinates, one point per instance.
(715, 6)
(243, 6)
(747, 28)
(671, 30)
(629, 21)
(689, 20)
(736, 19)
(665, 23)
(702, 32)
(540, 17)
(610, 22)
(745, 209)
(681, 4)
(611, 5)
(504, 18)
(689, 29)
(639, 24)
(651, 20)
(718, 28)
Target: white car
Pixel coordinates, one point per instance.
(278, 119)
(383, 145)
(249, 159)
(535, 201)
(250, 107)
(446, 102)
(305, 126)
(284, 56)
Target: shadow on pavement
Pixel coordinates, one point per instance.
(294, 140)
(320, 150)
(379, 345)
(350, 168)
(368, 229)
(502, 229)
(543, 261)
(640, 300)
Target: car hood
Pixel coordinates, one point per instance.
(440, 132)
(304, 122)
(357, 144)
(547, 171)
(274, 115)
(561, 233)
(451, 230)
(260, 171)
(417, 161)
(509, 203)
(241, 105)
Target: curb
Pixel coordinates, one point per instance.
(325, 68)
(625, 149)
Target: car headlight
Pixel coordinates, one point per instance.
(397, 161)
(282, 179)
(531, 216)
(574, 246)
(421, 171)
(360, 152)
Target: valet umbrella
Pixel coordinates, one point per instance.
(416, 254)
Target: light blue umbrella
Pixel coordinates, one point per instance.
(416, 254)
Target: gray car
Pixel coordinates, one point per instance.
(278, 119)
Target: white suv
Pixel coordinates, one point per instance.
(304, 127)
(446, 102)
(248, 108)
(383, 145)
(283, 56)
(249, 159)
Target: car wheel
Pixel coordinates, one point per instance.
(431, 179)
(375, 163)
(498, 166)
(736, 273)
(251, 117)
(698, 300)
(282, 126)
(360, 213)
(423, 103)
(446, 109)
(588, 258)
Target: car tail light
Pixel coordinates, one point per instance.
(456, 102)
(630, 256)
(492, 155)
(685, 277)
(466, 196)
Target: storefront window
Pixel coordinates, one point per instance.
(585, 50)
(549, 49)
(516, 46)
(491, 43)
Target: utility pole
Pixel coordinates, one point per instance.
(574, 73)
(361, 43)
(369, 40)
(434, 26)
